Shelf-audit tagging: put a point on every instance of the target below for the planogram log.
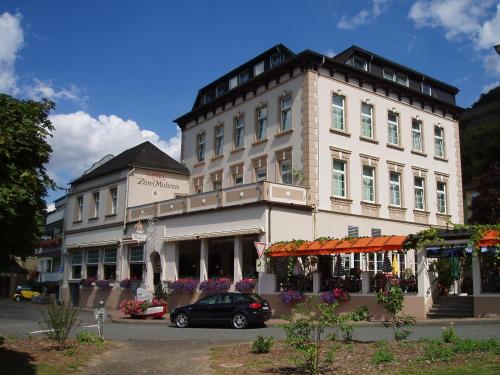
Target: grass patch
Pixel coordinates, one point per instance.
(383, 354)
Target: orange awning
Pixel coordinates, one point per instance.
(490, 238)
(324, 247)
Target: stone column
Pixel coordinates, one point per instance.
(204, 259)
(124, 262)
(149, 271)
(476, 274)
(238, 258)
(423, 282)
(316, 282)
(84, 264)
(365, 282)
(171, 261)
(100, 265)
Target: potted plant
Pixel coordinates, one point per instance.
(290, 296)
(245, 285)
(140, 309)
(103, 284)
(88, 282)
(215, 285)
(184, 286)
(335, 295)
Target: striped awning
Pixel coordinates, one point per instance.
(324, 247)
(92, 244)
(225, 233)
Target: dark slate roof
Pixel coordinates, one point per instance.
(146, 155)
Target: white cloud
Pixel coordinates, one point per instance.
(45, 89)
(477, 21)
(80, 140)
(11, 41)
(489, 87)
(364, 16)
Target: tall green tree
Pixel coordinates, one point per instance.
(24, 129)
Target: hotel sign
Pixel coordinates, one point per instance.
(155, 179)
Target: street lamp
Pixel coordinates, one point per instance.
(497, 48)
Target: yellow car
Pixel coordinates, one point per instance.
(25, 292)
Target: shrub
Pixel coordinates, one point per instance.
(103, 284)
(471, 345)
(450, 335)
(88, 338)
(347, 322)
(392, 300)
(58, 320)
(184, 285)
(383, 354)
(126, 283)
(262, 344)
(221, 284)
(304, 330)
(291, 296)
(160, 293)
(245, 285)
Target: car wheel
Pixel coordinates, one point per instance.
(17, 298)
(240, 321)
(182, 320)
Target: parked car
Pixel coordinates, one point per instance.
(238, 309)
(25, 292)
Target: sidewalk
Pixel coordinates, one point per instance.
(116, 316)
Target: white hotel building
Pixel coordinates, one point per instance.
(286, 146)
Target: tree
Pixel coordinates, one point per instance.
(24, 128)
(486, 206)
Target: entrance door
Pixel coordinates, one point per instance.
(74, 293)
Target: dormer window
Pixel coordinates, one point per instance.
(276, 59)
(258, 68)
(402, 79)
(389, 74)
(427, 89)
(244, 76)
(233, 82)
(359, 62)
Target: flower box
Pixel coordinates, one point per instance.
(139, 309)
(245, 285)
(151, 312)
(291, 296)
(218, 285)
(184, 286)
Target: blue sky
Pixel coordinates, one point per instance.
(120, 72)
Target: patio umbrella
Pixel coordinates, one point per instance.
(386, 265)
(455, 268)
(395, 265)
(338, 270)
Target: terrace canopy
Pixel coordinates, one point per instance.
(325, 247)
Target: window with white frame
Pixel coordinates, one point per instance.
(339, 178)
(359, 62)
(389, 74)
(96, 198)
(402, 79)
(286, 172)
(237, 174)
(238, 179)
(395, 189)
(439, 141)
(286, 113)
(216, 185)
(368, 184)
(198, 183)
(200, 147)
(427, 89)
(441, 197)
(92, 263)
(136, 262)
(76, 265)
(338, 106)
(261, 128)
(79, 208)
(110, 264)
(233, 82)
(357, 261)
(367, 120)
(419, 189)
(258, 68)
(416, 135)
(113, 194)
(261, 173)
(393, 128)
(239, 132)
(219, 140)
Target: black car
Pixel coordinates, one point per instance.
(238, 309)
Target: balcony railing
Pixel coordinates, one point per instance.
(234, 196)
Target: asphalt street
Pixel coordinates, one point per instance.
(23, 318)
